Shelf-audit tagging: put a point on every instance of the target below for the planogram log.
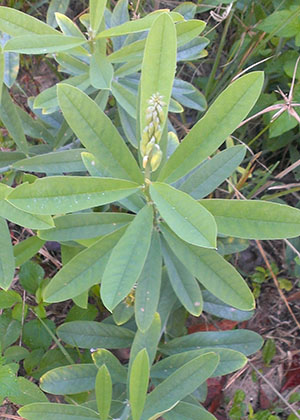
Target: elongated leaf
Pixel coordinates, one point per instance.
(214, 306)
(180, 384)
(71, 64)
(83, 271)
(148, 287)
(53, 163)
(27, 393)
(101, 71)
(125, 98)
(117, 371)
(56, 6)
(63, 194)
(138, 383)
(11, 120)
(187, 411)
(230, 361)
(67, 26)
(243, 341)
(26, 249)
(98, 134)
(48, 98)
(7, 158)
(254, 219)
(11, 213)
(103, 389)
(91, 334)
(138, 25)
(42, 44)
(193, 50)
(188, 30)
(10, 61)
(146, 340)
(7, 261)
(222, 118)
(16, 23)
(159, 65)
(85, 225)
(2, 69)
(181, 212)
(183, 282)
(213, 172)
(96, 14)
(47, 411)
(213, 271)
(127, 259)
(70, 379)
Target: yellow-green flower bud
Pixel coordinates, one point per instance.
(145, 160)
(156, 157)
(150, 146)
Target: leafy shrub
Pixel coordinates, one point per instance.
(130, 215)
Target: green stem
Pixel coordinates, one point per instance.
(218, 56)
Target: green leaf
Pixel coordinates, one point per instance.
(138, 383)
(123, 313)
(98, 134)
(251, 219)
(230, 361)
(183, 282)
(125, 97)
(27, 393)
(213, 172)
(101, 71)
(222, 118)
(187, 411)
(188, 30)
(159, 65)
(10, 330)
(11, 63)
(243, 341)
(82, 271)
(91, 334)
(11, 120)
(8, 381)
(72, 227)
(103, 389)
(7, 261)
(2, 67)
(180, 384)
(193, 50)
(31, 276)
(96, 14)
(11, 213)
(67, 26)
(213, 271)
(16, 23)
(42, 44)
(47, 100)
(8, 298)
(64, 194)
(35, 335)
(56, 6)
(53, 163)
(137, 25)
(146, 340)
(148, 287)
(70, 379)
(118, 372)
(214, 306)
(127, 259)
(186, 218)
(48, 411)
(268, 351)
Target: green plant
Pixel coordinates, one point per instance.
(153, 251)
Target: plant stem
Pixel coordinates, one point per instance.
(218, 56)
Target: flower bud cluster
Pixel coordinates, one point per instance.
(151, 135)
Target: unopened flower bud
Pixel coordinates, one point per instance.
(150, 146)
(156, 157)
(145, 160)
